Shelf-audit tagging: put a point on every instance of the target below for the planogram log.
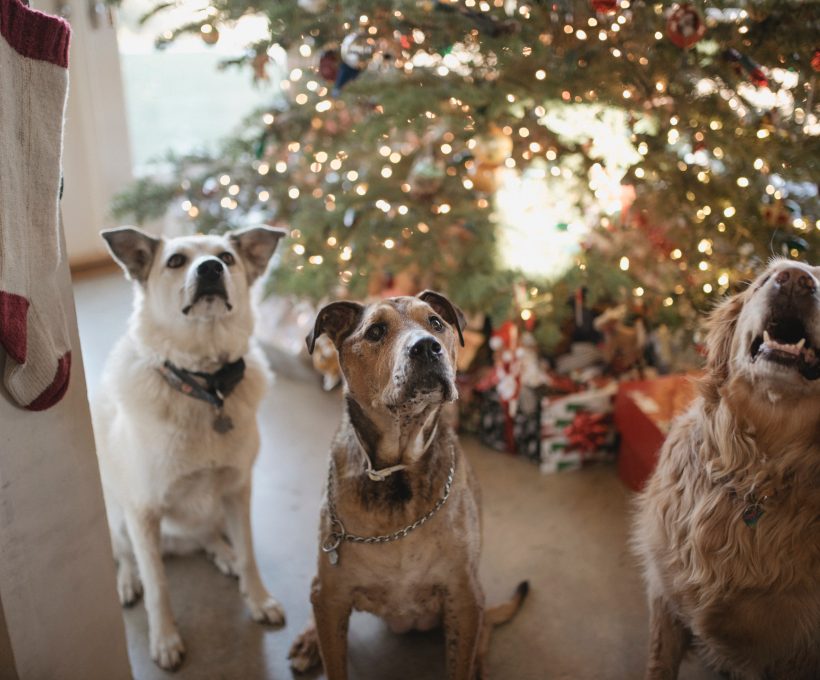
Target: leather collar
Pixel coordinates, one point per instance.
(212, 388)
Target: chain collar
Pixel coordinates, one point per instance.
(338, 533)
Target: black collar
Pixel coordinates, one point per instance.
(216, 386)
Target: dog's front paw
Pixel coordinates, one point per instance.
(304, 653)
(222, 556)
(167, 650)
(129, 586)
(266, 610)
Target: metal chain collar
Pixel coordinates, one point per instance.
(338, 533)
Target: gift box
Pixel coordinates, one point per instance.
(644, 410)
(577, 428)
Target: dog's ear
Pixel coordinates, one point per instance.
(256, 246)
(446, 310)
(720, 328)
(338, 320)
(133, 250)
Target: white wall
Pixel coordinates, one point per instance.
(97, 156)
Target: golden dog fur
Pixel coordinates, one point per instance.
(746, 597)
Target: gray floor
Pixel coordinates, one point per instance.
(585, 617)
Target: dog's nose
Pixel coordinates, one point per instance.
(210, 270)
(795, 282)
(427, 349)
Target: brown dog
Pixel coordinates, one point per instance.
(401, 527)
(729, 525)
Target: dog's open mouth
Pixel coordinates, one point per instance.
(209, 294)
(787, 342)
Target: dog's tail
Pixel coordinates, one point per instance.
(501, 613)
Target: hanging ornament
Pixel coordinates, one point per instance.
(260, 66)
(604, 6)
(312, 6)
(780, 212)
(209, 34)
(357, 50)
(743, 63)
(685, 26)
(426, 176)
(493, 147)
(815, 60)
(329, 65)
(484, 177)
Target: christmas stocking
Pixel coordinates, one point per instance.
(33, 85)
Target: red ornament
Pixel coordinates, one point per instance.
(815, 60)
(604, 6)
(329, 65)
(685, 26)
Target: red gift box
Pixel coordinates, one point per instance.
(644, 410)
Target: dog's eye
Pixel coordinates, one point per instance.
(376, 332)
(436, 324)
(176, 261)
(227, 258)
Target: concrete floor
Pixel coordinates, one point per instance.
(585, 616)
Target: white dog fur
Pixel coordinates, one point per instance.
(171, 481)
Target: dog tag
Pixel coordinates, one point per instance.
(752, 513)
(333, 557)
(223, 423)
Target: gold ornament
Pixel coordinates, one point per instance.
(492, 147)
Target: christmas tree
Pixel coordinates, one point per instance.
(513, 152)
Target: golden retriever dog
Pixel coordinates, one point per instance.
(728, 527)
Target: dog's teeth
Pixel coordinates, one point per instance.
(766, 337)
(800, 344)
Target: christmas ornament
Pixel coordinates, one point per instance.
(815, 60)
(312, 6)
(329, 65)
(260, 66)
(685, 26)
(209, 34)
(484, 177)
(426, 176)
(357, 50)
(743, 63)
(493, 147)
(604, 6)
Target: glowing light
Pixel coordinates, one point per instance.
(742, 182)
(225, 180)
(707, 287)
(264, 195)
(638, 291)
(389, 243)
(316, 259)
(624, 263)
(728, 212)
(293, 192)
(526, 314)
(676, 254)
(298, 248)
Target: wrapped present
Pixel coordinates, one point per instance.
(527, 424)
(644, 410)
(577, 428)
(495, 425)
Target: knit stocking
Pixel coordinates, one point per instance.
(33, 86)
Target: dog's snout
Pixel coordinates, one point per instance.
(427, 348)
(210, 270)
(795, 282)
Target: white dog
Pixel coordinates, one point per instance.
(175, 417)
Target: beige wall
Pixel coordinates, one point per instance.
(62, 619)
(97, 156)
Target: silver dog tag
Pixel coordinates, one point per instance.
(223, 423)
